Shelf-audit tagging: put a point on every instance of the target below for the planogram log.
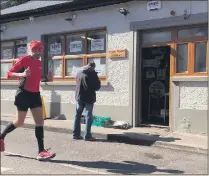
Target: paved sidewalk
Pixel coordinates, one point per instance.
(148, 136)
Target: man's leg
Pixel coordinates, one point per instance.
(19, 121)
(39, 133)
(77, 121)
(22, 107)
(89, 120)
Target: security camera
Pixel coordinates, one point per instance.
(186, 15)
(123, 11)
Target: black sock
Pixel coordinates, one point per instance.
(39, 132)
(9, 128)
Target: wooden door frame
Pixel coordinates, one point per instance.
(172, 62)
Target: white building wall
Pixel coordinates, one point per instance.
(194, 95)
(119, 36)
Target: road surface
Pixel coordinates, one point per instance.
(101, 157)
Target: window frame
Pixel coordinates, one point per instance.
(66, 56)
(173, 44)
(14, 54)
(191, 50)
(188, 54)
(103, 78)
(194, 59)
(191, 59)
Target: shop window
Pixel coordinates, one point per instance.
(4, 69)
(96, 42)
(200, 57)
(100, 65)
(20, 48)
(156, 37)
(7, 50)
(193, 32)
(182, 58)
(55, 46)
(75, 44)
(67, 53)
(72, 66)
(10, 52)
(190, 51)
(55, 66)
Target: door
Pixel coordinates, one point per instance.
(155, 85)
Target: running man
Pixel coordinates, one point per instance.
(28, 70)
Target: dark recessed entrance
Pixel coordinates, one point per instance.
(155, 85)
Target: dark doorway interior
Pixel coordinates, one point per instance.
(155, 85)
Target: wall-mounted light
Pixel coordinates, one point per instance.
(68, 19)
(123, 11)
(71, 18)
(3, 28)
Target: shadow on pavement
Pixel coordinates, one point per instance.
(20, 156)
(128, 167)
(139, 139)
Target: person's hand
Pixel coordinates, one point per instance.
(26, 73)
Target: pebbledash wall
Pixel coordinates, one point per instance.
(117, 97)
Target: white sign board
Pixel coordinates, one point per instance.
(154, 5)
(7, 53)
(57, 68)
(75, 70)
(21, 51)
(97, 44)
(100, 68)
(157, 89)
(75, 46)
(55, 49)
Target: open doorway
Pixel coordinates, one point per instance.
(155, 85)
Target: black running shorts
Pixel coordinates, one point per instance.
(25, 100)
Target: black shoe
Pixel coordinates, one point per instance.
(77, 137)
(90, 139)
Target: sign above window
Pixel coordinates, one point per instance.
(154, 5)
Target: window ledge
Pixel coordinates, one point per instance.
(58, 83)
(55, 83)
(63, 83)
(9, 83)
(189, 78)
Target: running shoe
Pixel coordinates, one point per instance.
(44, 155)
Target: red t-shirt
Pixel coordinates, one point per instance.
(32, 82)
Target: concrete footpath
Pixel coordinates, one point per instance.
(146, 136)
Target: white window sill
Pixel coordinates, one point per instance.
(55, 83)
(189, 78)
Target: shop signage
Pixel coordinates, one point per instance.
(154, 5)
(75, 46)
(7, 53)
(55, 48)
(22, 50)
(118, 53)
(97, 44)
